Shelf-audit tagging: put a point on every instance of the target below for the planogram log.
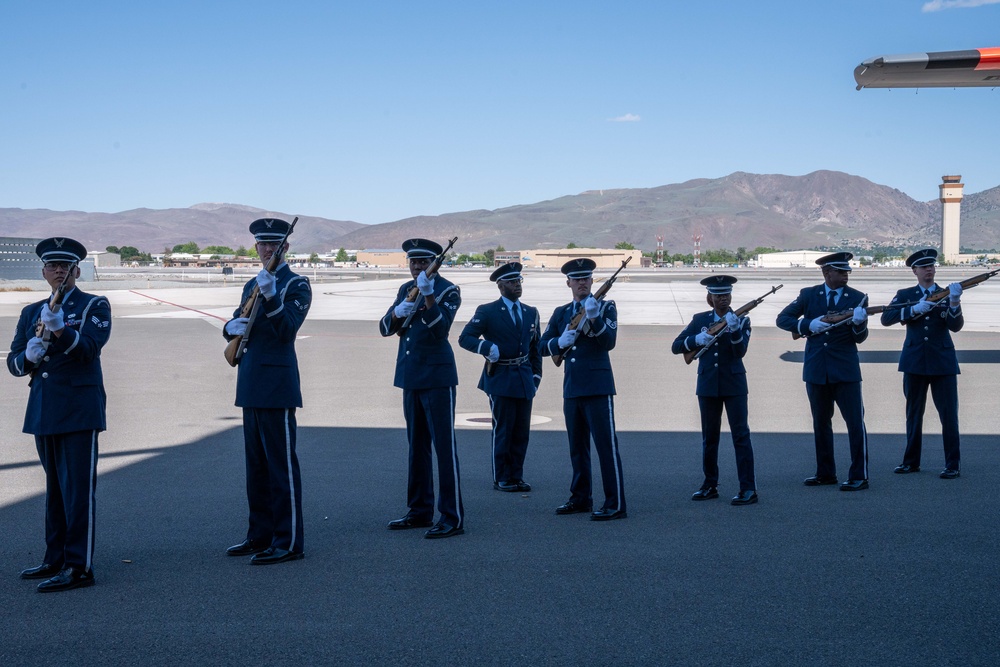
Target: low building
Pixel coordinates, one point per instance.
(792, 258)
(381, 257)
(606, 258)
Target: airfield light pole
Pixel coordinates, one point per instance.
(697, 249)
(659, 249)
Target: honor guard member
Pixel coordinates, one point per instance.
(60, 348)
(269, 390)
(928, 360)
(507, 332)
(426, 372)
(722, 383)
(588, 391)
(831, 369)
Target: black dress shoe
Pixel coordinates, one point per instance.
(522, 486)
(949, 473)
(273, 555)
(854, 485)
(67, 579)
(608, 515)
(509, 486)
(904, 469)
(443, 530)
(819, 481)
(247, 548)
(409, 522)
(705, 494)
(574, 507)
(748, 497)
(43, 571)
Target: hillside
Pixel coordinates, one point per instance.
(824, 208)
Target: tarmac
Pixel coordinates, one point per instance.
(904, 573)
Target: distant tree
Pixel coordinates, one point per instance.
(112, 248)
(189, 247)
(489, 255)
(500, 248)
(314, 258)
(131, 254)
(241, 252)
(741, 254)
(341, 256)
(252, 252)
(762, 250)
(219, 250)
(624, 245)
(570, 245)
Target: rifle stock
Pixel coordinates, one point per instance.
(605, 287)
(414, 292)
(716, 329)
(237, 346)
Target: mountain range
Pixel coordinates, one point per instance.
(821, 209)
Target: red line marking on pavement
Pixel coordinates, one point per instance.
(177, 305)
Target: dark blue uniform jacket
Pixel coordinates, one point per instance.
(928, 348)
(720, 369)
(493, 325)
(587, 365)
(268, 375)
(67, 390)
(831, 356)
(425, 359)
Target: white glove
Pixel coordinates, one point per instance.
(403, 310)
(35, 350)
(494, 355)
(921, 307)
(237, 327)
(860, 315)
(568, 337)
(733, 322)
(818, 325)
(702, 339)
(425, 284)
(954, 294)
(592, 307)
(267, 283)
(52, 321)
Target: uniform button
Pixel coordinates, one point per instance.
(407, 351)
(825, 344)
(45, 375)
(926, 328)
(45, 358)
(573, 360)
(717, 365)
(574, 347)
(716, 354)
(925, 337)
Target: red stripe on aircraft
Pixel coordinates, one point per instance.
(989, 58)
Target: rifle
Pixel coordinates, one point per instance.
(251, 307)
(719, 327)
(842, 317)
(55, 304)
(966, 284)
(574, 323)
(414, 292)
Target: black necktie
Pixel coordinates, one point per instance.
(517, 316)
(832, 303)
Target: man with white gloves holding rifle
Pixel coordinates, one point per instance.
(269, 390)
(426, 372)
(832, 369)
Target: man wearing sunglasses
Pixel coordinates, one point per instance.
(506, 333)
(59, 346)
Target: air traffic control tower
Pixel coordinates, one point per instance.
(951, 211)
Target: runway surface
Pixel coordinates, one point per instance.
(903, 573)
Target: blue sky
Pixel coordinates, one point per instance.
(375, 111)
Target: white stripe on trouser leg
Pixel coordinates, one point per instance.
(90, 500)
(291, 480)
(614, 454)
(493, 443)
(454, 458)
